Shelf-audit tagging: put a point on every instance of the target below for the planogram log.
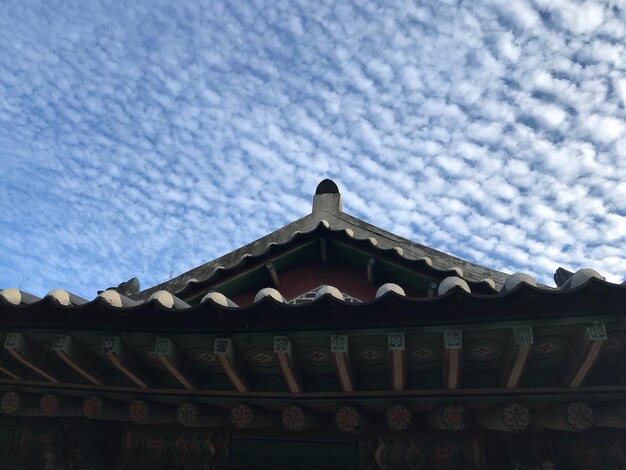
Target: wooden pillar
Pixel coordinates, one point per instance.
(397, 361)
(173, 359)
(453, 343)
(516, 358)
(452, 417)
(244, 416)
(341, 357)
(225, 355)
(282, 350)
(507, 417)
(584, 353)
(573, 416)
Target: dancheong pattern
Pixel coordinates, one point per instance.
(398, 417)
(549, 347)
(347, 419)
(316, 356)
(424, 353)
(370, 354)
(203, 356)
(293, 418)
(483, 350)
(260, 357)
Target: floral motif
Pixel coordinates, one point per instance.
(203, 356)
(293, 418)
(92, 407)
(370, 354)
(516, 416)
(580, 416)
(454, 417)
(398, 417)
(11, 402)
(186, 414)
(347, 419)
(614, 343)
(48, 404)
(315, 356)
(241, 416)
(138, 411)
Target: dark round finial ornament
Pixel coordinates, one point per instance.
(327, 187)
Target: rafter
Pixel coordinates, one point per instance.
(282, 350)
(127, 361)
(453, 344)
(585, 352)
(515, 361)
(225, 354)
(29, 354)
(79, 358)
(341, 357)
(171, 357)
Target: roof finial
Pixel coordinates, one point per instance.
(327, 197)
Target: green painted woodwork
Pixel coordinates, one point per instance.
(283, 454)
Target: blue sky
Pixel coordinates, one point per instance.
(145, 138)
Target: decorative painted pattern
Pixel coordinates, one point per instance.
(483, 350)
(347, 419)
(11, 402)
(241, 416)
(373, 382)
(219, 382)
(48, 404)
(425, 381)
(370, 354)
(580, 416)
(186, 414)
(271, 383)
(398, 417)
(454, 417)
(550, 347)
(424, 353)
(323, 383)
(516, 416)
(615, 343)
(479, 379)
(92, 407)
(149, 355)
(138, 411)
(293, 418)
(203, 356)
(316, 356)
(260, 357)
(540, 378)
(413, 453)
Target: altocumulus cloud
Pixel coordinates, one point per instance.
(145, 138)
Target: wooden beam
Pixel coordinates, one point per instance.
(371, 263)
(19, 404)
(271, 270)
(506, 417)
(295, 418)
(194, 415)
(453, 344)
(584, 353)
(103, 408)
(127, 361)
(452, 417)
(173, 359)
(54, 406)
(572, 416)
(244, 416)
(30, 354)
(349, 419)
(341, 357)
(224, 352)
(398, 417)
(143, 412)
(516, 358)
(80, 358)
(397, 360)
(282, 350)
(611, 414)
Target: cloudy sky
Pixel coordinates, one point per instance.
(145, 138)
